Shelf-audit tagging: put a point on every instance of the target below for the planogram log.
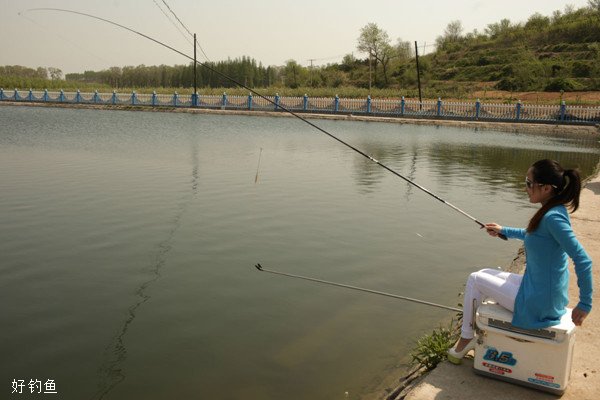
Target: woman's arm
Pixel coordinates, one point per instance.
(560, 229)
(494, 230)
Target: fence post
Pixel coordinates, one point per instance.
(194, 99)
(305, 102)
(224, 101)
(518, 110)
(154, 98)
(133, 98)
(477, 109)
(78, 96)
(337, 103)
(1, 94)
(44, 98)
(250, 101)
(95, 99)
(30, 95)
(369, 104)
(402, 105)
(439, 106)
(276, 101)
(61, 96)
(175, 95)
(563, 110)
(114, 97)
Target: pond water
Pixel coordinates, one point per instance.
(129, 240)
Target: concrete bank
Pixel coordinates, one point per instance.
(449, 381)
(525, 127)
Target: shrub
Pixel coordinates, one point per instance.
(581, 69)
(558, 84)
(432, 349)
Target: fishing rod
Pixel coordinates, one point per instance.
(395, 296)
(258, 166)
(481, 225)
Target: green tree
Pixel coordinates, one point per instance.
(498, 28)
(452, 34)
(294, 73)
(375, 42)
(537, 22)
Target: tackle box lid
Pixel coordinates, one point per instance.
(494, 315)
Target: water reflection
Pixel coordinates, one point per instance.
(502, 166)
(498, 165)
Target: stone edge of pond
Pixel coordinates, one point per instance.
(511, 127)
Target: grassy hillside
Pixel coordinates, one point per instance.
(555, 53)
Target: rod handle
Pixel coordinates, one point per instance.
(503, 237)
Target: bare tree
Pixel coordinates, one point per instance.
(453, 31)
(404, 49)
(55, 73)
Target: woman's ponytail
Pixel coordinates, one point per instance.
(571, 189)
(566, 185)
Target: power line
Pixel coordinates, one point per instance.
(173, 22)
(185, 27)
(175, 15)
(324, 58)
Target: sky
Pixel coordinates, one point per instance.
(270, 31)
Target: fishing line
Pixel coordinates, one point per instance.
(173, 23)
(395, 296)
(46, 29)
(277, 106)
(115, 353)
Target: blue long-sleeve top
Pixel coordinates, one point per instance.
(543, 294)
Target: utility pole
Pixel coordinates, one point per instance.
(195, 102)
(311, 70)
(369, 72)
(418, 76)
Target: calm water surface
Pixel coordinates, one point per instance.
(128, 241)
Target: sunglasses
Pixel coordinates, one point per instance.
(530, 184)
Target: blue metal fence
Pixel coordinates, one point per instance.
(519, 112)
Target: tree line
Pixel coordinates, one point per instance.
(245, 70)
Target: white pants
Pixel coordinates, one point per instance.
(485, 284)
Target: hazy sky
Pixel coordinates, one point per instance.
(270, 31)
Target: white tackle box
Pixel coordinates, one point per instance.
(538, 358)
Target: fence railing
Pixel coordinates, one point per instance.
(518, 112)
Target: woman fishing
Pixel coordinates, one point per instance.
(539, 297)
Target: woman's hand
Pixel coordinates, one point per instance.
(493, 229)
(578, 315)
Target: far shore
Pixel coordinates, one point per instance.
(523, 127)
